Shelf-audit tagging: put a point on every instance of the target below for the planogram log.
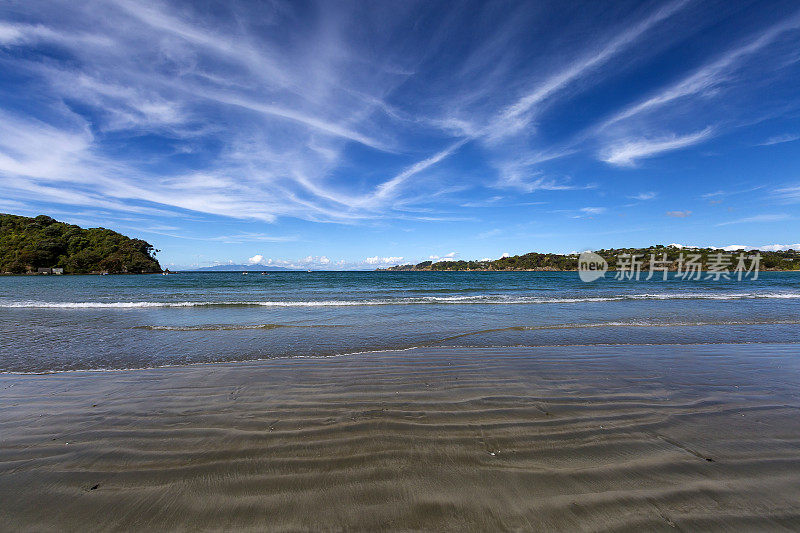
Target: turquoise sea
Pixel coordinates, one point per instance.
(55, 323)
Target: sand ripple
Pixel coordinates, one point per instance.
(555, 438)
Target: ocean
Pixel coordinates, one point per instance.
(59, 323)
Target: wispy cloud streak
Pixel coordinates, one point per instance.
(708, 76)
(628, 152)
(264, 111)
(515, 117)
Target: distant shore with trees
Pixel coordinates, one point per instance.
(770, 260)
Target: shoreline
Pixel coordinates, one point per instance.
(557, 438)
(267, 360)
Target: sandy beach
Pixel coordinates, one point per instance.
(553, 438)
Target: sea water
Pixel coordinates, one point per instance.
(55, 323)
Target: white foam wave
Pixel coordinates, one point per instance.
(419, 300)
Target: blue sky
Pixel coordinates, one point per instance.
(356, 135)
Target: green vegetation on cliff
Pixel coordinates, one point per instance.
(27, 244)
(784, 260)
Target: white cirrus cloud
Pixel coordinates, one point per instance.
(780, 139)
(643, 196)
(627, 152)
(708, 77)
(489, 233)
(679, 214)
(513, 118)
(768, 217)
(789, 194)
(335, 121)
(518, 115)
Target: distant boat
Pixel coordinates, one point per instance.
(264, 274)
(244, 273)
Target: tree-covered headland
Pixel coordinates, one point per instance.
(27, 244)
(779, 260)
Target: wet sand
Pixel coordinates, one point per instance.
(554, 438)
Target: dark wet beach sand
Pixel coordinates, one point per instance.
(554, 438)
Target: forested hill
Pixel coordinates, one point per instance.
(27, 244)
(783, 260)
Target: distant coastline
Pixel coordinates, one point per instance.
(776, 261)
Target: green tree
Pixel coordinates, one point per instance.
(30, 243)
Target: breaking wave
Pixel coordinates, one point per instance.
(413, 300)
